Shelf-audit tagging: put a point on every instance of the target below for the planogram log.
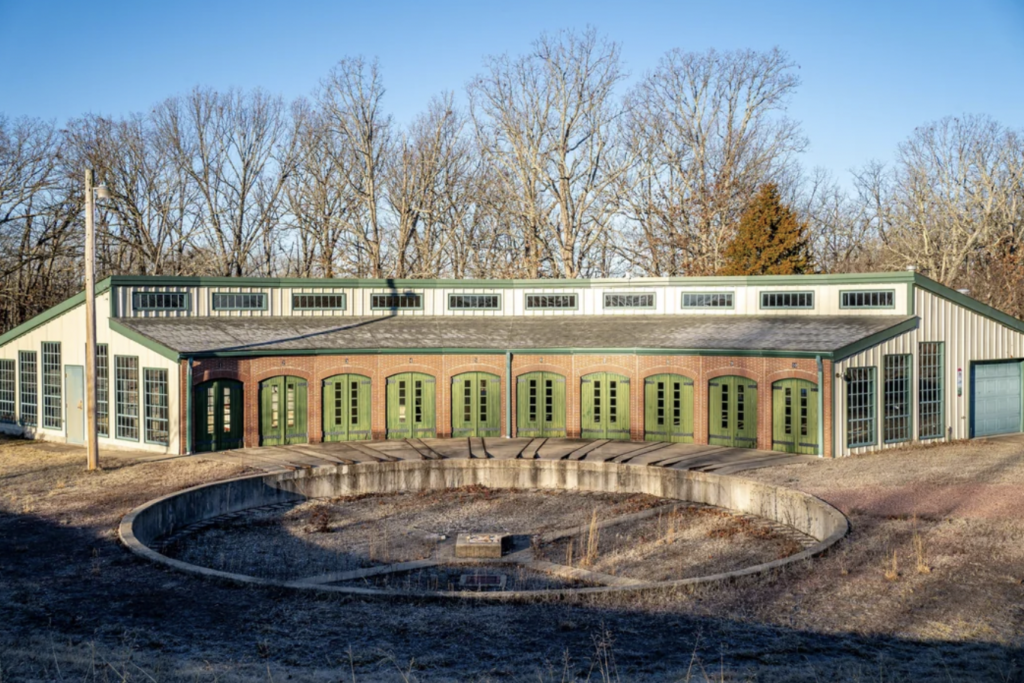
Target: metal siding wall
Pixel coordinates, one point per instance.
(966, 335)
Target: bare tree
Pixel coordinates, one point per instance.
(709, 128)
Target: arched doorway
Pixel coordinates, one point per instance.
(732, 412)
(218, 415)
(283, 412)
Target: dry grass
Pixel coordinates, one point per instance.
(74, 606)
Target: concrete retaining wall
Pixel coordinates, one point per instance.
(167, 515)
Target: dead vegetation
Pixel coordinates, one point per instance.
(75, 606)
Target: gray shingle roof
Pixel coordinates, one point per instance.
(731, 332)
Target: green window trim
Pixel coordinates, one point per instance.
(53, 386)
(540, 301)
(794, 300)
(127, 398)
(156, 410)
(471, 301)
(144, 301)
(897, 416)
(861, 406)
(931, 390)
(707, 300)
(319, 301)
(238, 301)
(629, 300)
(28, 386)
(8, 391)
(396, 301)
(859, 299)
(103, 390)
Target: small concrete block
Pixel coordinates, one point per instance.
(490, 546)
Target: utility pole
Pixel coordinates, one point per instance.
(92, 444)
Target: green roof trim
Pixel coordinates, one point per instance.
(969, 303)
(145, 341)
(390, 283)
(51, 313)
(873, 340)
(433, 351)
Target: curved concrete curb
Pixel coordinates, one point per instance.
(164, 516)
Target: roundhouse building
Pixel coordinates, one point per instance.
(818, 364)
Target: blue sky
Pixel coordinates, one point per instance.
(871, 70)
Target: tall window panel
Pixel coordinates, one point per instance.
(157, 413)
(29, 381)
(8, 405)
(860, 407)
(53, 412)
(896, 423)
(931, 391)
(126, 396)
(102, 390)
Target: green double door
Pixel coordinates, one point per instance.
(668, 408)
(346, 408)
(540, 404)
(732, 412)
(476, 404)
(218, 415)
(795, 416)
(283, 411)
(604, 406)
(410, 406)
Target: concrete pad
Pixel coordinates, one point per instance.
(581, 452)
(505, 449)
(558, 448)
(531, 449)
(651, 448)
(476, 448)
(483, 546)
(609, 450)
(425, 451)
(449, 448)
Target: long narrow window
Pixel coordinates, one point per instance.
(417, 398)
(740, 405)
(549, 400)
(226, 414)
(677, 400)
(470, 302)
(395, 301)
(613, 401)
(629, 300)
(930, 391)
(467, 401)
(126, 390)
(725, 406)
(787, 299)
(533, 400)
(53, 412)
(103, 390)
(401, 401)
(157, 413)
(661, 403)
(803, 412)
(707, 300)
(597, 401)
(353, 402)
(896, 416)
(8, 404)
(860, 407)
(318, 302)
(338, 404)
(275, 407)
(541, 301)
(788, 414)
(867, 299)
(483, 401)
(29, 371)
(238, 301)
(160, 301)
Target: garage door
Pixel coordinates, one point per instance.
(996, 403)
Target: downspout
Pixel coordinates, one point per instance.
(508, 394)
(821, 408)
(188, 406)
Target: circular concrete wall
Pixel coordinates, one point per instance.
(158, 519)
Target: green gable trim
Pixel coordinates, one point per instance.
(49, 314)
(875, 339)
(629, 283)
(969, 303)
(145, 341)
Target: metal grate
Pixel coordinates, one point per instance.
(629, 300)
(896, 399)
(868, 299)
(396, 301)
(238, 301)
(7, 391)
(53, 412)
(708, 300)
(787, 299)
(540, 301)
(318, 302)
(29, 388)
(158, 421)
(930, 391)
(102, 390)
(487, 302)
(860, 407)
(126, 396)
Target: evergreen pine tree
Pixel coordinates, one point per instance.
(770, 239)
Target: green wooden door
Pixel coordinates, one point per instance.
(283, 411)
(540, 404)
(411, 401)
(732, 412)
(604, 406)
(668, 408)
(476, 404)
(346, 408)
(795, 416)
(217, 416)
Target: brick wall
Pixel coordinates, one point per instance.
(702, 369)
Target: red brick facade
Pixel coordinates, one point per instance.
(702, 369)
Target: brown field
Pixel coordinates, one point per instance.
(928, 586)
